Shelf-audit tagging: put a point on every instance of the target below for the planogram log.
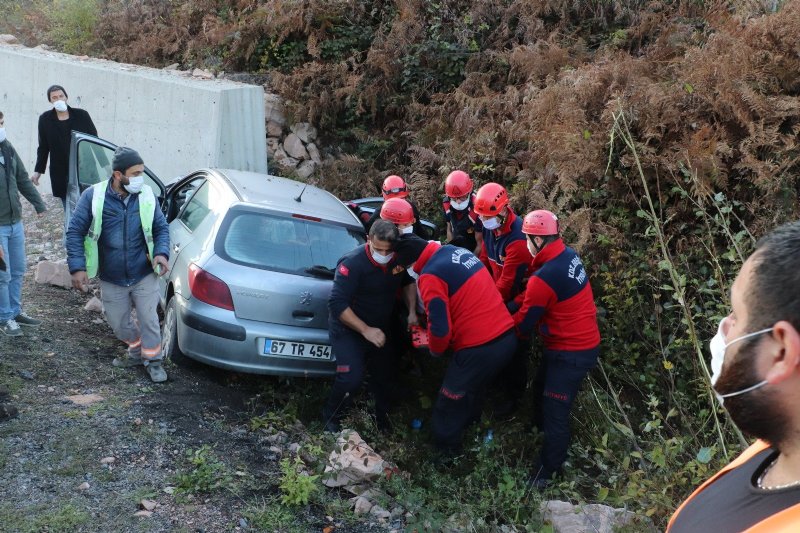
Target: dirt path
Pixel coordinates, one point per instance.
(66, 467)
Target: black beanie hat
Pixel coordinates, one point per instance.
(125, 158)
(408, 248)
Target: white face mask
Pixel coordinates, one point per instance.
(381, 259)
(412, 273)
(135, 185)
(2, 134)
(718, 348)
(491, 223)
(407, 231)
(60, 106)
(459, 206)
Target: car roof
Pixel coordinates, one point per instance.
(280, 194)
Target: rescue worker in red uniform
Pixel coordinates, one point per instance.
(558, 306)
(360, 305)
(467, 317)
(400, 213)
(395, 187)
(504, 251)
(757, 352)
(464, 227)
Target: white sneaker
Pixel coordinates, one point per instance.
(11, 328)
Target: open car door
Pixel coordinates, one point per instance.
(90, 162)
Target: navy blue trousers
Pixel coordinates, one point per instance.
(461, 396)
(558, 380)
(354, 356)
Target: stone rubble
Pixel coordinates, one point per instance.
(294, 152)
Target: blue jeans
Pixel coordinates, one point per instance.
(12, 239)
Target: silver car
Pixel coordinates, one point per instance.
(251, 265)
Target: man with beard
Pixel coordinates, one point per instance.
(759, 382)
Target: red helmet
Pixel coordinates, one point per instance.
(394, 187)
(457, 184)
(540, 222)
(491, 199)
(397, 211)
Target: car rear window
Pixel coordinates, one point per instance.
(287, 244)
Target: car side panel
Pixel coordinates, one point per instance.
(243, 355)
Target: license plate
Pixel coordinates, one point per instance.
(297, 349)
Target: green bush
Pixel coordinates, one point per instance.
(72, 24)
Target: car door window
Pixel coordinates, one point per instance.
(197, 209)
(181, 196)
(94, 165)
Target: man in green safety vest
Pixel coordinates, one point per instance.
(118, 233)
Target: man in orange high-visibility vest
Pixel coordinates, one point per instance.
(756, 362)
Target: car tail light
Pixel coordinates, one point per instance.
(209, 289)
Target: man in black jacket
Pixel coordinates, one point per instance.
(55, 132)
(361, 302)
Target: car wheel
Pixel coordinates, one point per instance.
(169, 334)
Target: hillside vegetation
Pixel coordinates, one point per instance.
(664, 133)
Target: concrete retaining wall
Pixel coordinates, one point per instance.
(176, 122)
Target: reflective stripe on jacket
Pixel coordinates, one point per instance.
(123, 257)
(147, 207)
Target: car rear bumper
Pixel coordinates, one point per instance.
(216, 337)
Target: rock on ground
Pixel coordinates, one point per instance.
(590, 518)
(53, 273)
(294, 147)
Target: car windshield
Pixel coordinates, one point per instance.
(288, 244)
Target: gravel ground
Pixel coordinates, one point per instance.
(66, 467)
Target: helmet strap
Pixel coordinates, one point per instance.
(538, 248)
(501, 217)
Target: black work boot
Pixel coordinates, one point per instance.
(7, 412)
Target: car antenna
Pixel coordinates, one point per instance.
(300, 196)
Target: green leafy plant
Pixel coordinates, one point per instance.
(296, 485)
(206, 472)
(271, 515)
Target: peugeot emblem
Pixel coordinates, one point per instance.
(305, 298)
